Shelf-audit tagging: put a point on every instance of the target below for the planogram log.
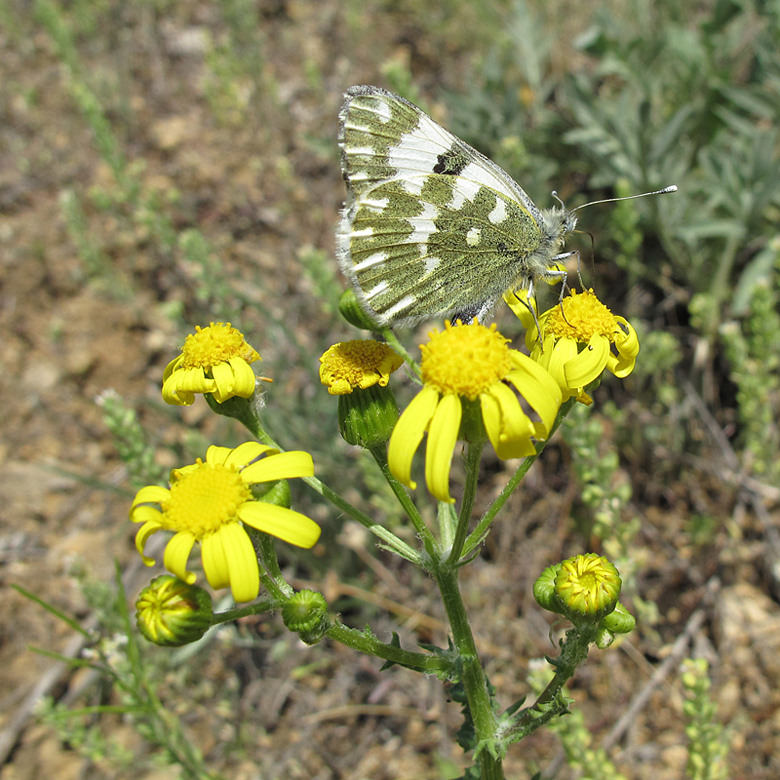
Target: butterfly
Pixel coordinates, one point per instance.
(431, 227)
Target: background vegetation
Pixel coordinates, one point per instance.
(165, 164)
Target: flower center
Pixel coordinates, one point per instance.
(204, 499)
(465, 359)
(588, 583)
(357, 363)
(216, 344)
(579, 317)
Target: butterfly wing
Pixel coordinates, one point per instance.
(431, 227)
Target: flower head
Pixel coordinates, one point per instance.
(587, 587)
(580, 337)
(213, 360)
(211, 502)
(357, 364)
(471, 365)
(358, 372)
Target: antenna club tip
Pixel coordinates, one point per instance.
(670, 188)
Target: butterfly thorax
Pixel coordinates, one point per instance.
(554, 225)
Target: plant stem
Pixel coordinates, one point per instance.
(473, 676)
(380, 456)
(365, 642)
(471, 457)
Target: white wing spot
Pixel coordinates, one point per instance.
(435, 134)
(377, 204)
(431, 263)
(412, 184)
(421, 231)
(366, 151)
(465, 189)
(473, 236)
(419, 149)
(382, 110)
(429, 211)
(363, 233)
(487, 173)
(498, 214)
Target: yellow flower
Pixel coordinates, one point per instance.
(213, 360)
(470, 364)
(208, 502)
(357, 364)
(580, 338)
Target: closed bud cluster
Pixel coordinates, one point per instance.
(585, 589)
(306, 613)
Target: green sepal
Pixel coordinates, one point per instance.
(367, 417)
(544, 590)
(604, 638)
(277, 492)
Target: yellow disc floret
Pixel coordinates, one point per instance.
(466, 360)
(580, 317)
(357, 364)
(205, 498)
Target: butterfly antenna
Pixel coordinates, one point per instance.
(671, 188)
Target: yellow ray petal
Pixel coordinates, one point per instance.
(442, 436)
(215, 564)
(284, 524)
(285, 465)
(177, 551)
(408, 433)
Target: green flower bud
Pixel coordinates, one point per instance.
(619, 621)
(351, 310)
(588, 587)
(306, 613)
(171, 613)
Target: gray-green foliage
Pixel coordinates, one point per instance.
(668, 95)
(752, 349)
(606, 494)
(131, 440)
(661, 93)
(592, 763)
(708, 748)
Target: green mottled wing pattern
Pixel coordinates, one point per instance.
(431, 227)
